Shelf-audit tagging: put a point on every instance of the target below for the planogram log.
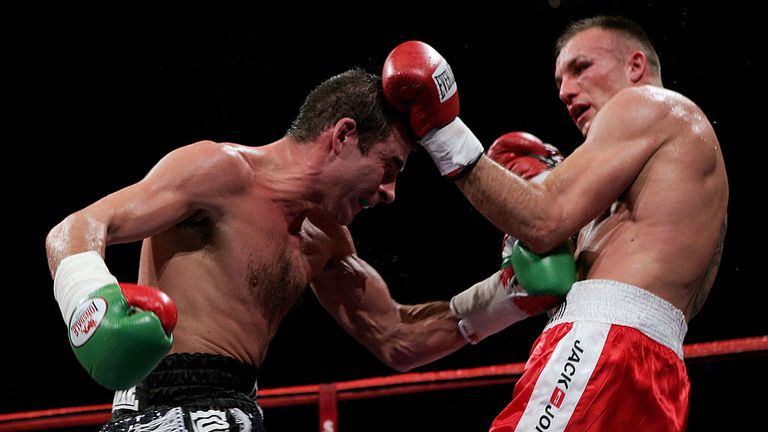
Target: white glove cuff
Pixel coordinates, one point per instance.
(76, 277)
(485, 309)
(453, 147)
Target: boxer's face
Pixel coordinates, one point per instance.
(589, 70)
(366, 180)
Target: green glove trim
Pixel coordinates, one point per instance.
(550, 274)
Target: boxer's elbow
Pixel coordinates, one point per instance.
(541, 242)
(58, 236)
(53, 238)
(545, 234)
(56, 242)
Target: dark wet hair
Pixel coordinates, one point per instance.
(355, 94)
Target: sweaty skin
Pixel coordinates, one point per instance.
(647, 191)
(234, 234)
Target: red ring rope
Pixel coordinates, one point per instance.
(328, 394)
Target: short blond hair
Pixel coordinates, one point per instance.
(621, 26)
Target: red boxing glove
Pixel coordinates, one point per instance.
(154, 300)
(418, 80)
(524, 154)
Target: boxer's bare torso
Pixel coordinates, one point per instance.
(647, 189)
(232, 279)
(665, 233)
(242, 258)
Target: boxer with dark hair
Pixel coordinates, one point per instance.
(232, 235)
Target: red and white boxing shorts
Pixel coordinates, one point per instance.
(610, 359)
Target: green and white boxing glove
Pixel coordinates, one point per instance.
(119, 332)
(503, 299)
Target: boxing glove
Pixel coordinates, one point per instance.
(527, 284)
(502, 299)
(550, 274)
(417, 80)
(118, 332)
(524, 154)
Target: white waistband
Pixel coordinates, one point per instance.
(618, 303)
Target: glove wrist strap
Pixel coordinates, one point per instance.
(485, 309)
(453, 147)
(468, 332)
(76, 277)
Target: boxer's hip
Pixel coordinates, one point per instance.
(189, 389)
(611, 302)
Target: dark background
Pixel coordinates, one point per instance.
(98, 94)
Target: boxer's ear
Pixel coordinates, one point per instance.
(344, 134)
(638, 66)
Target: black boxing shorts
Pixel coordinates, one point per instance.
(190, 392)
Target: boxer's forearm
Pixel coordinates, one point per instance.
(426, 332)
(512, 204)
